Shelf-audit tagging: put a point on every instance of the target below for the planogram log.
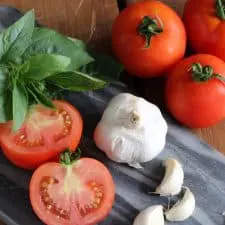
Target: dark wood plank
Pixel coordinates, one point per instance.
(89, 20)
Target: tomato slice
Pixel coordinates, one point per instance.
(45, 133)
(79, 194)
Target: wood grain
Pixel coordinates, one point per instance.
(153, 90)
(90, 20)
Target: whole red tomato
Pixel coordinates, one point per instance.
(205, 24)
(195, 91)
(148, 38)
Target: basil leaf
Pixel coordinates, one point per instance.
(46, 41)
(15, 39)
(42, 66)
(76, 81)
(104, 67)
(8, 105)
(3, 117)
(39, 96)
(20, 105)
(5, 97)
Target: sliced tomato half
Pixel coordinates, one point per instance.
(78, 194)
(45, 133)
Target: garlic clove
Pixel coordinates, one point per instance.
(151, 216)
(173, 179)
(183, 209)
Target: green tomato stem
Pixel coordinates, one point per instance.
(67, 157)
(149, 28)
(204, 73)
(220, 9)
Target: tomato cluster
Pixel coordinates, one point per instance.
(150, 39)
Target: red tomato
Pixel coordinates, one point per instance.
(78, 194)
(205, 28)
(132, 30)
(196, 97)
(44, 134)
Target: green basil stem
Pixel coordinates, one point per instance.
(220, 9)
(68, 157)
(204, 73)
(148, 28)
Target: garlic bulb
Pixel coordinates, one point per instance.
(173, 179)
(183, 209)
(150, 216)
(131, 130)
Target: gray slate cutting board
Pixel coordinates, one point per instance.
(204, 168)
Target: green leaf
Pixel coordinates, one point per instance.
(20, 105)
(76, 81)
(5, 96)
(39, 96)
(42, 66)
(15, 39)
(46, 41)
(104, 67)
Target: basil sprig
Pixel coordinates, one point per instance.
(36, 64)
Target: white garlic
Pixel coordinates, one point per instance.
(131, 130)
(183, 209)
(173, 179)
(150, 216)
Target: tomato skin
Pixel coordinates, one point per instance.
(205, 31)
(98, 173)
(196, 104)
(30, 157)
(166, 48)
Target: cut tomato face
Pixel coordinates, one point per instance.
(45, 133)
(78, 194)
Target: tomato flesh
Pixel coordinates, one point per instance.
(44, 134)
(81, 194)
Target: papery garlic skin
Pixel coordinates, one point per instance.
(183, 209)
(173, 179)
(150, 216)
(131, 130)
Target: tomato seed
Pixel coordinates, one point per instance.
(51, 180)
(44, 185)
(46, 199)
(99, 194)
(97, 200)
(49, 207)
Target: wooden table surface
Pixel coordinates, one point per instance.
(91, 21)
